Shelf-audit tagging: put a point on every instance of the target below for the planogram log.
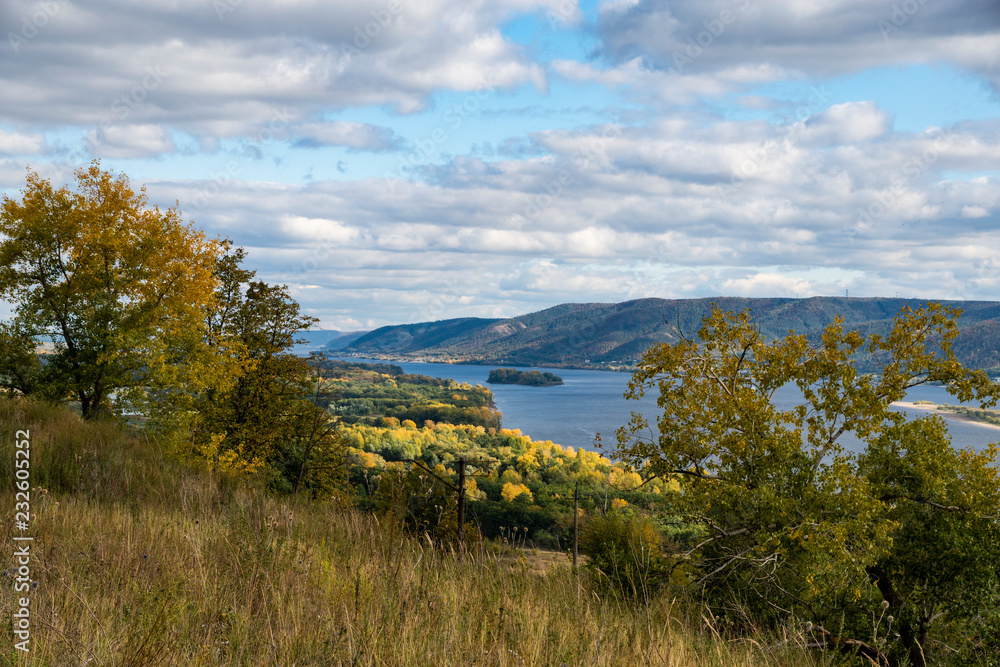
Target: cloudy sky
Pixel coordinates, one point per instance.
(405, 160)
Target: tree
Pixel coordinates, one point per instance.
(314, 454)
(257, 410)
(116, 286)
(892, 553)
(20, 368)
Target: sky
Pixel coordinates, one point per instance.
(397, 161)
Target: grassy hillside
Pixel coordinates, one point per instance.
(142, 560)
(603, 334)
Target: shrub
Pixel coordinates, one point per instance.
(625, 551)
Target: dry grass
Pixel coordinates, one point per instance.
(143, 562)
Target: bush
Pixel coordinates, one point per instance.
(625, 551)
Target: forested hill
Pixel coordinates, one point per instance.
(610, 334)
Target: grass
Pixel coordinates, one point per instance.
(142, 561)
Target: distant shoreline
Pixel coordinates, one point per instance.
(944, 413)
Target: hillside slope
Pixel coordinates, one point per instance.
(609, 334)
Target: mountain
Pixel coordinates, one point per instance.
(614, 334)
(324, 339)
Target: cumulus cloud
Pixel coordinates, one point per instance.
(619, 212)
(814, 38)
(354, 136)
(226, 66)
(18, 143)
(130, 141)
(847, 123)
(656, 186)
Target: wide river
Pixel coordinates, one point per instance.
(592, 402)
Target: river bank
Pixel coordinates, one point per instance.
(947, 414)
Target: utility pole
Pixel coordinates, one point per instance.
(461, 501)
(576, 523)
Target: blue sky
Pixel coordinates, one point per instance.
(495, 157)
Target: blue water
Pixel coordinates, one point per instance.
(592, 402)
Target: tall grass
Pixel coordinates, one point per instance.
(143, 561)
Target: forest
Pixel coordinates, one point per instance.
(527, 378)
(518, 481)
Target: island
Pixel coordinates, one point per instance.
(529, 378)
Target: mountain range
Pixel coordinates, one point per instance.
(612, 335)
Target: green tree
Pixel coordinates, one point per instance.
(313, 455)
(20, 366)
(244, 419)
(892, 553)
(117, 287)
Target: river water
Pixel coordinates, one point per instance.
(592, 402)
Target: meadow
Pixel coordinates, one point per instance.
(142, 558)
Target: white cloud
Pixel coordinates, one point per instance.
(18, 143)
(653, 211)
(848, 123)
(767, 284)
(130, 141)
(224, 74)
(356, 136)
(817, 38)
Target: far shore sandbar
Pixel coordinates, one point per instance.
(944, 413)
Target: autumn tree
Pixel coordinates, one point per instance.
(893, 552)
(259, 412)
(116, 286)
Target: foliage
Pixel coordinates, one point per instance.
(370, 393)
(548, 471)
(167, 565)
(118, 287)
(511, 491)
(528, 378)
(626, 550)
(21, 369)
(794, 525)
(268, 413)
(421, 500)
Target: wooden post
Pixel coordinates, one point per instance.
(461, 501)
(576, 523)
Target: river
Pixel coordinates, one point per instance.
(592, 402)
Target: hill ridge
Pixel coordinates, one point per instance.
(613, 335)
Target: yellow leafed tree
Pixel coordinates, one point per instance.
(116, 285)
(511, 491)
